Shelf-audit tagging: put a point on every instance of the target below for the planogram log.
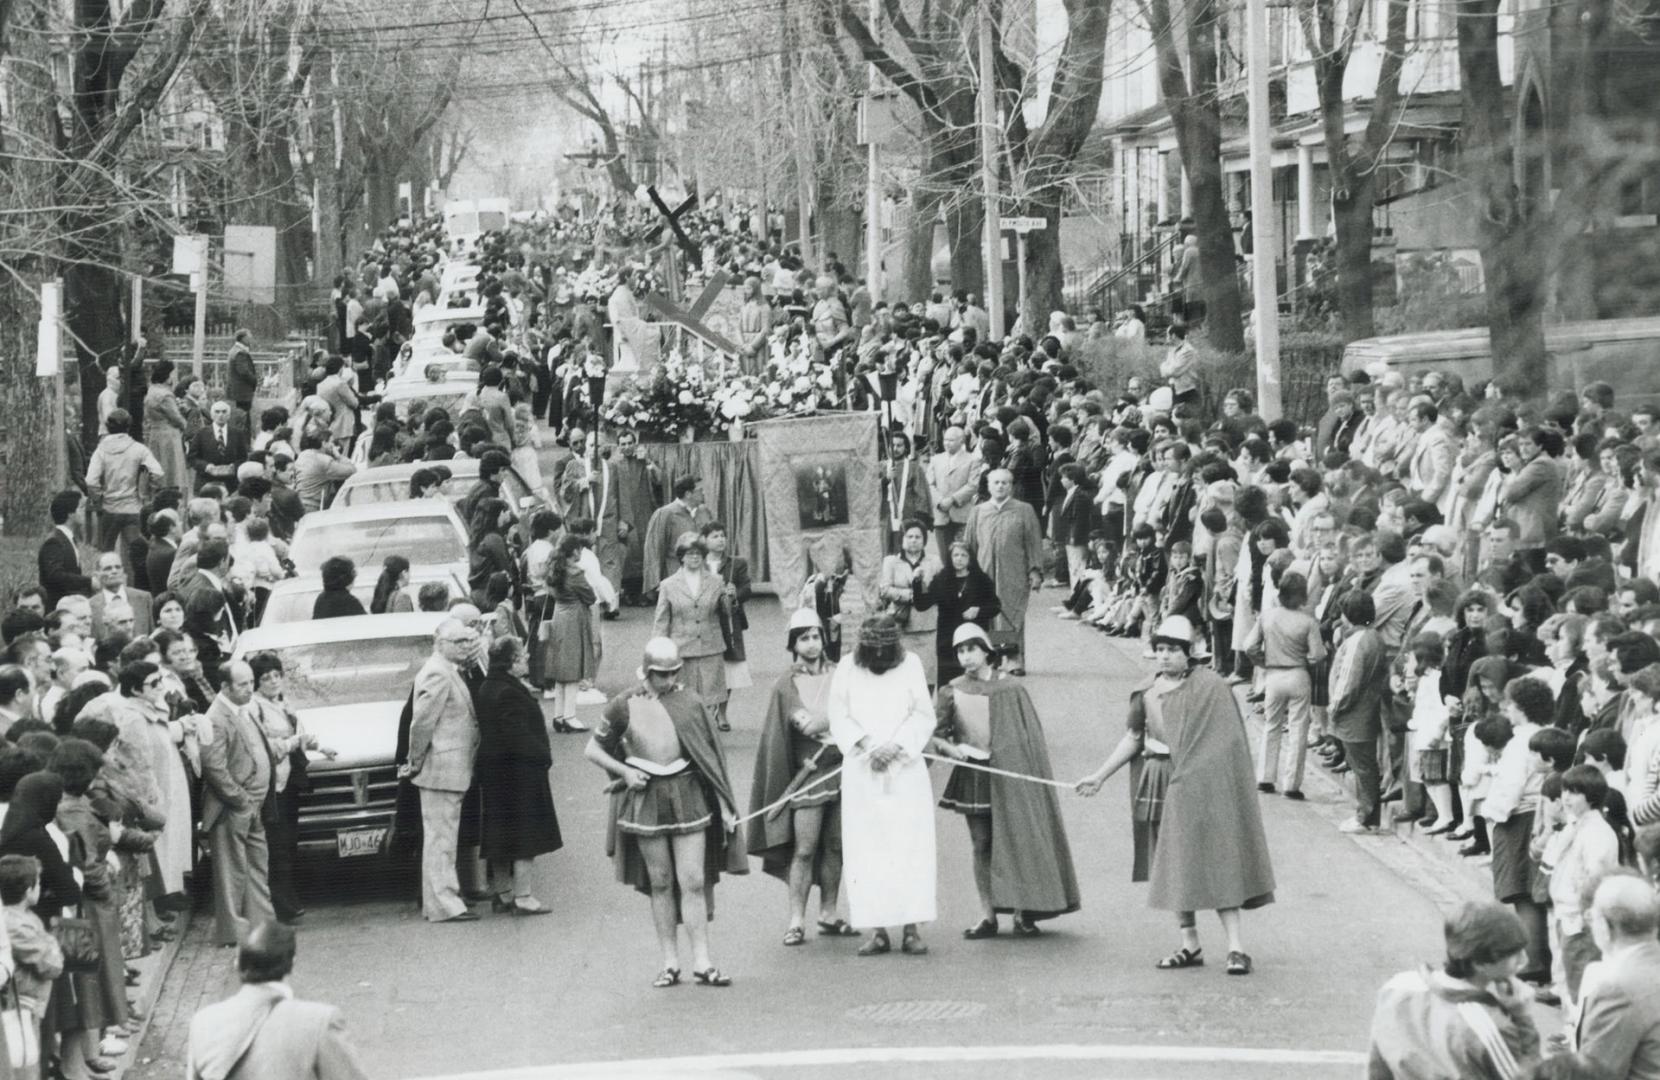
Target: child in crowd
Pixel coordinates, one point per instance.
(1482, 698)
(1511, 806)
(37, 960)
(1428, 731)
(1152, 571)
(1576, 855)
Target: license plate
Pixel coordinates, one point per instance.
(360, 842)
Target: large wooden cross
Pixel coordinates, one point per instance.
(692, 318)
(671, 220)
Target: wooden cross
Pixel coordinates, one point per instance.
(692, 318)
(671, 218)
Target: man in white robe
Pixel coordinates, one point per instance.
(881, 720)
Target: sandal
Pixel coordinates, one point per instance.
(666, 978)
(710, 977)
(795, 936)
(1239, 963)
(1182, 958)
(911, 944)
(985, 928)
(877, 945)
(839, 928)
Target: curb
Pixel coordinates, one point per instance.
(154, 971)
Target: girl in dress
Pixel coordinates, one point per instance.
(569, 656)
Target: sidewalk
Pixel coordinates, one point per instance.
(155, 979)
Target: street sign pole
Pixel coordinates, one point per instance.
(988, 171)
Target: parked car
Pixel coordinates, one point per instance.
(347, 680)
(427, 532)
(390, 483)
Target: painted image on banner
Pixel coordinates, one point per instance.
(821, 493)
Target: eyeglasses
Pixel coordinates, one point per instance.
(154, 680)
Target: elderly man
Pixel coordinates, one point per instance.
(113, 589)
(1004, 536)
(262, 1032)
(952, 482)
(217, 448)
(1619, 1020)
(685, 513)
(236, 779)
(443, 741)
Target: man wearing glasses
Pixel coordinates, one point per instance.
(443, 740)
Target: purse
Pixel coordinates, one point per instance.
(1432, 766)
(79, 942)
(21, 1031)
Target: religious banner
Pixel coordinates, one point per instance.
(821, 486)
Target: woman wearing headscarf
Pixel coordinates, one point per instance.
(962, 594)
(512, 770)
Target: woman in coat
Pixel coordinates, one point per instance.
(512, 774)
(568, 653)
(963, 594)
(336, 600)
(894, 588)
(164, 426)
(688, 603)
(489, 553)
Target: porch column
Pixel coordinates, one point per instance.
(1305, 192)
(1162, 185)
(1187, 196)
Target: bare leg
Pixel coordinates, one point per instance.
(659, 860)
(979, 832)
(694, 907)
(809, 821)
(1230, 927)
(830, 864)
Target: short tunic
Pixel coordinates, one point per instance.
(965, 719)
(815, 698)
(667, 805)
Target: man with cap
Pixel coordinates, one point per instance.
(673, 818)
(801, 842)
(1470, 1019)
(1196, 823)
(1022, 864)
(262, 1032)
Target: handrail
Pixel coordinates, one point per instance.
(1097, 284)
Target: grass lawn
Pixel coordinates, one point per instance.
(17, 565)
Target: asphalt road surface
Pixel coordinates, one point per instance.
(569, 995)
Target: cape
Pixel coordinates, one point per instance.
(772, 837)
(1031, 862)
(721, 854)
(1211, 852)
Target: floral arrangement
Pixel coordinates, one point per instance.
(682, 397)
(672, 400)
(799, 382)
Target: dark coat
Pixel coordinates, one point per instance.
(158, 563)
(1071, 520)
(953, 595)
(60, 569)
(206, 450)
(241, 377)
(336, 604)
(512, 771)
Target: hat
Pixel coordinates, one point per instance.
(971, 632)
(1175, 630)
(1483, 931)
(662, 655)
(805, 619)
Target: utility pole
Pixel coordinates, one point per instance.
(198, 345)
(803, 144)
(1265, 242)
(988, 174)
(873, 181)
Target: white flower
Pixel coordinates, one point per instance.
(803, 385)
(687, 397)
(825, 380)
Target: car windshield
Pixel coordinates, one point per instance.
(296, 606)
(421, 540)
(379, 491)
(336, 673)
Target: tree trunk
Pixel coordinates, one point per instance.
(1352, 219)
(918, 280)
(1045, 278)
(1511, 252)
(965, 231)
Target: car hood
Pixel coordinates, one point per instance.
(364, 736)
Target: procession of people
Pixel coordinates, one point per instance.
(1447, 609)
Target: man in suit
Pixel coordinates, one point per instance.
(1619, 1019)
(443, 739)
(1430, 469)
(59, 560)
(952, 482)
(236, 784)
(217, 448)
(1003, 535)
(113, 588)
(1533, 496)
(241, 379)
(210, 616)
(262, 1032)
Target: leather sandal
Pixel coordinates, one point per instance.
(795, 935)
(985, 928)
(666, 978)
(911, 944)
(1182, 958)
(711, 977)
(877, 945)
(836, 928)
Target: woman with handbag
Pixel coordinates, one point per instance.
(89, 1000)
(894, 589)
(567, 637)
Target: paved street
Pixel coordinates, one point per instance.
(545, 995)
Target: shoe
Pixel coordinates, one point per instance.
(877, 945)
(1024, 927)
(112, 1046)
(475, 896)
(795, 935)
(1266, 788)
(1460, 835)
(1442, 830)
(985, 928)
(666, 978)
(836, 928)
(549, 694)
(1295, 796)
(1354, 827)
(1239, 963)
(572, 724)
(611, 616)
(1392, 795)
(710, 977)
(1182, 958)
(1401, 817)
(528, 905)
(1471, 851)
(911, 944)
(465, 916)
(1019, 671)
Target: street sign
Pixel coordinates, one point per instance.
(1025, 224)
(187, 253)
